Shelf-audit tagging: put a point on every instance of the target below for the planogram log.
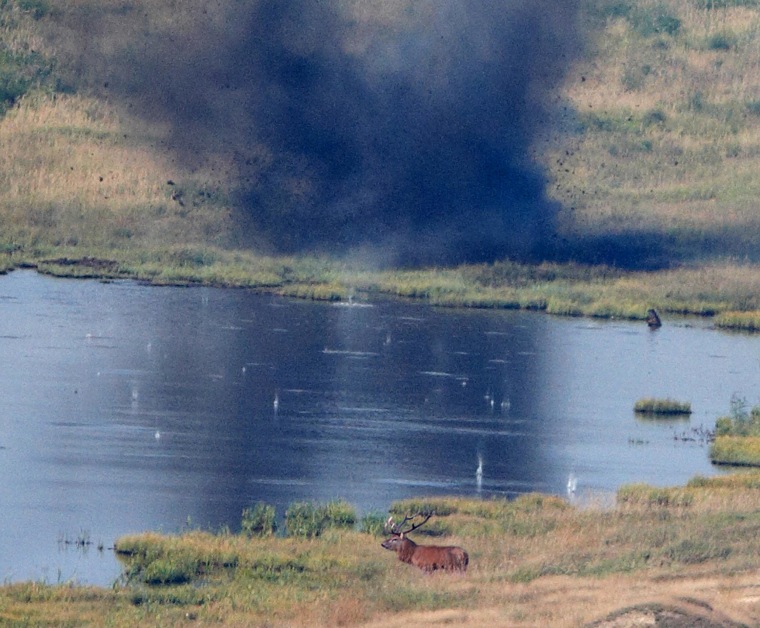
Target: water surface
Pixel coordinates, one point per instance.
(128, 407)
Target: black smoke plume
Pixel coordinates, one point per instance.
(399, 128)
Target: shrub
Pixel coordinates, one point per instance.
(740, 421)
(303, 519)
(261, 520)
(654, 117)
(721, 41)
(339, 514)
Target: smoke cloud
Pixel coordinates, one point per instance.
(397, 128)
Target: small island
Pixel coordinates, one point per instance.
(666, 407)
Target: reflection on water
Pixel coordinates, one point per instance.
(128, 407)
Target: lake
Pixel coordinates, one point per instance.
(128, 407)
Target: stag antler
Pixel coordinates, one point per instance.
(395, 528)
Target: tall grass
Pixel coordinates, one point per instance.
(259, 520)
(24, 62)
(736, 450)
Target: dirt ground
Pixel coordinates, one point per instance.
(698, 601)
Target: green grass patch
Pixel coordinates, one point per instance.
(373, 523)
(401, 599)
(441, 507)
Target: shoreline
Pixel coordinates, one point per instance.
(727, 293)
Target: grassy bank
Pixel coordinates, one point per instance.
(525, 556)
(722, 289)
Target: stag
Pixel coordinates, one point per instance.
(427, 557)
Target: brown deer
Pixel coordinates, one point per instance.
(427, 557)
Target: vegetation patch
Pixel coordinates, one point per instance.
(306, 519)
(734, 481)
(666, 407)
(741, 421)
(373, 523)
(737, 436)
(736, 450)
(742, 321)
(259, 520)
(649, 496)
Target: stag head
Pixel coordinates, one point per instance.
(397, 529)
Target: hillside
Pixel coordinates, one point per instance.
(665, 108)
(648, 139)
(652, 149)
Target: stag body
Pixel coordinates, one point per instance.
(429, 558)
